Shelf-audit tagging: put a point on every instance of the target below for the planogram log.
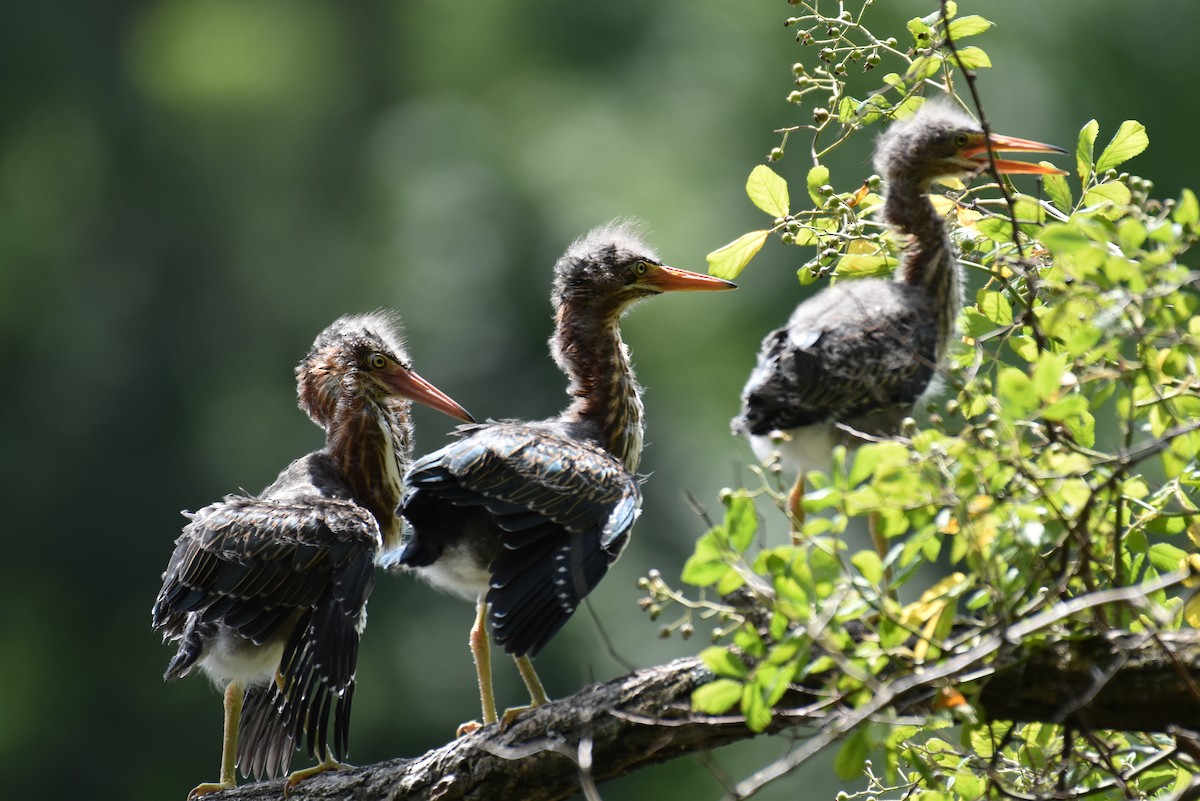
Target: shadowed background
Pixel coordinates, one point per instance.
(191, 189)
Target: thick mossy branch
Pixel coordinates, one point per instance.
(1123, 681)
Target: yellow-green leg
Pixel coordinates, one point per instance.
(537, 693)
(795, 506)
(329, 763)
(234, 694)
(481, 651)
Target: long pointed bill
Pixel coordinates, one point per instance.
(673, 279)
(409, 385)
(1005, 144)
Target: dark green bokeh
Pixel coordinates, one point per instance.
(191, 189)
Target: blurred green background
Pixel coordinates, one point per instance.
(191, 189)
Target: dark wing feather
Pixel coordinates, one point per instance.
(562, 511)
(252, 565)
(850, 357)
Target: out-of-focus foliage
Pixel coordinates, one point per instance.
(1063, 463)
(191, 189)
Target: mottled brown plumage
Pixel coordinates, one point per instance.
(267, 594)
(526, 518)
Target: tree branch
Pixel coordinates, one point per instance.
(1123, 681)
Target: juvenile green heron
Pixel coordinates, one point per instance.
(526, 517)
(267, 594)
(858, 356)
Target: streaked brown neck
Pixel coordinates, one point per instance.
(371, 441)
(608, 405)
(929, 261)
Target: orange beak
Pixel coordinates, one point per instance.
(408, 384)
(979, 152)
(673, 279)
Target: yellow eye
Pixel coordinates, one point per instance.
(377, 361)
(641, 267)
(961, 139)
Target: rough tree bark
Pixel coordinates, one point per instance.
(1123, 681)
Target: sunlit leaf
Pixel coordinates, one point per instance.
(1187, 210)
(716, 697)
(1058, 191)
(973, 58)
(768, 191)
(724, 662)
(923, 67)
(1110, 193)
(755, 709)
(728, 261)
(1131, 139)
(741, 520)
(970, 25)
(1047, 375)
(1016, 392)
(869, 564)
(864, 266)
(1191, 611)
(995, 307)
(921, 31)
(817, 177)
(1167, 557)
(1086, 149)
(1062, 238)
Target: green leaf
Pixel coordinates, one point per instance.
(729, 582)
(1058, 191)
(922, 34)
(848, 764)
(995, 307)
(1016, 392)
(1131, 139)
(864, 265)
(1066, 407)
(724, 662)
(1131, 233)
(970, 25)
(1187, 211)
(1166, 557)
(748, 639)
(1086, 149)
(754, 707)
(818, 176)
(973, 58)
(716, 697)
(768, 191)
(1062, 239)
(741, 521)
(869, 564)
(923, 67)
(702, 572)
(1047, 375)
(1112, 194)
(728, 262)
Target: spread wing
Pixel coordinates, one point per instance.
(299, 571)
(562, 509)
(820, 370)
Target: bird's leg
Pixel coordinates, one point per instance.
(537, 693)
(328, 763)
(234, 694)
(795, 508)
(482, 652)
